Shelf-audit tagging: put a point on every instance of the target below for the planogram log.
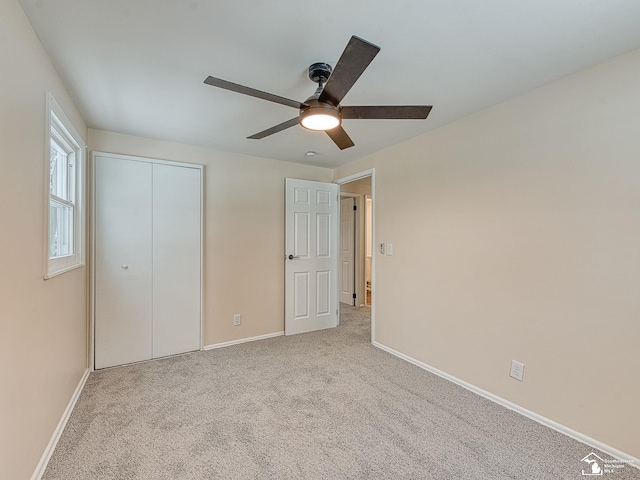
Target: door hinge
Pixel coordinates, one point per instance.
(354, 295)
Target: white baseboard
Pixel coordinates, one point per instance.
(46, 456)
(628, 459)
(242, 340)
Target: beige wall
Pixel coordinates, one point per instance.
(361, 187)
(244, 231)
(516, 235)
(42, 323)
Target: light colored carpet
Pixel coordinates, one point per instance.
(322, 405)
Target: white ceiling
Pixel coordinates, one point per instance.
(138, 66)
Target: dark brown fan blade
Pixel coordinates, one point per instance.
(276, 129)
(252, 92)
(354, 60)
(340, 137)
(392, 112)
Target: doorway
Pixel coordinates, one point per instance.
(360, 187)
(348, 245)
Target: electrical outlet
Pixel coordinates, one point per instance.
(237, 319)
(517, 370)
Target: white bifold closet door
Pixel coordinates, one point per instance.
(176, 260)
(147, 265)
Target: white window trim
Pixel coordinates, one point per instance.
(56, 118)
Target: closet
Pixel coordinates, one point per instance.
(147, 258)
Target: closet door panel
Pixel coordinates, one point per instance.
(123, 262)
(176, 259)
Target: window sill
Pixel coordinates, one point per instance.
(50, 275)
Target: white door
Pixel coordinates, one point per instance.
(176, 259)
(311, 256)
(123, 262)
(347, 250)
(148, 259)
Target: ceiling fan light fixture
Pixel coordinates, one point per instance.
(320, 118)
(322, 111)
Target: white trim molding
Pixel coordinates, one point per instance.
(57, 433)
(628, 459)
(356, 176)
(242, 340)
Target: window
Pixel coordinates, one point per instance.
(65, 193)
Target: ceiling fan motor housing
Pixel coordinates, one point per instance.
(320, 72)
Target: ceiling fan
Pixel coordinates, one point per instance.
(322, 110)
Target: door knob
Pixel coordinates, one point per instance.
(291, 257)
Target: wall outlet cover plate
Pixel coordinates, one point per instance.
(517, 370)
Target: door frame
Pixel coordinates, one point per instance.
(92, 240)
(367, 199)
(347, 179)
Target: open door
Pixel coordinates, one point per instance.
(347, 251)
(311, 255)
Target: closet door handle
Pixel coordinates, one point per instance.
(125, 267)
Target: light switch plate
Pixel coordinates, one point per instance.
(389, 248)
